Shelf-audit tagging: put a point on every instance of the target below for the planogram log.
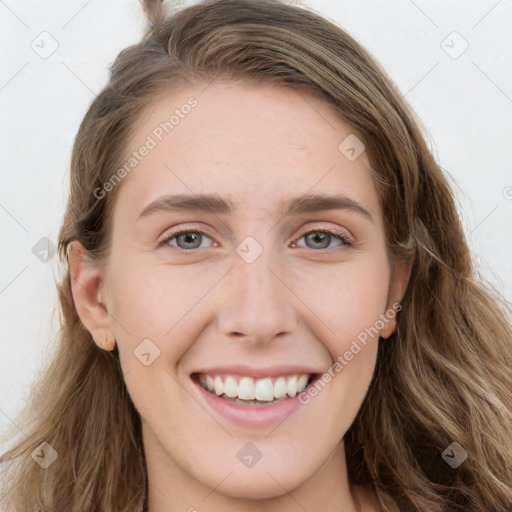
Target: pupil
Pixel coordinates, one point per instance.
(317, 236)
(188, 236)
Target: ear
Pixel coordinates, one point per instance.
(86, 283)
(400, 275)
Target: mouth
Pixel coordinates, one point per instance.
(249, 391)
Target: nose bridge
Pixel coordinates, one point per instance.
(256, 302)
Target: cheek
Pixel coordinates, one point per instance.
(348, 307)
(151, 299)
(155, 296)
(347, 299)
(162, 303)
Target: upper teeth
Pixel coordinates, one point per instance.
(247, 388)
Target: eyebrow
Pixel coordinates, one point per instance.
(218, 205)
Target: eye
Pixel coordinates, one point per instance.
(189, 238)
(323, 237)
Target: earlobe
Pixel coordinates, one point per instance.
(389, 326)
(398, 284)
(106, 341)
(86, 282)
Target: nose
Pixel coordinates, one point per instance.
(256, 300)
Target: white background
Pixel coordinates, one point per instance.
(465, 105)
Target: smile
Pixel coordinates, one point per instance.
(249, 391)
(254, 398)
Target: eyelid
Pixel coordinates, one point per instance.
(346, 240)
(174, 232)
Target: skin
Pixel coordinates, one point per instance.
(302, 304)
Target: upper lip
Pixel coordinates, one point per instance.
(249, 371)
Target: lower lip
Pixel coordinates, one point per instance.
(251, 416)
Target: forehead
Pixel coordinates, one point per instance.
(255, 145)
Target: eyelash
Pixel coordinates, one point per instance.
(343, 238)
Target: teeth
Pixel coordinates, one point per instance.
(291, 386)
(247, 388)
(264, 390)
(302, 382)
(280, 388)
(218, 385)
(230, 387)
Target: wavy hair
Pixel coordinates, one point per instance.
(443, 377)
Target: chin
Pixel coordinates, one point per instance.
(261, 487)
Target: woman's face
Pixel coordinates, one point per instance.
(255, 295)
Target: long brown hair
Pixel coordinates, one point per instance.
(444, 377)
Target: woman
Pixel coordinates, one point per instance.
(270, 302)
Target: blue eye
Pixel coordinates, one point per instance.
(191, 239)
(326, 236)
(188, 236)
